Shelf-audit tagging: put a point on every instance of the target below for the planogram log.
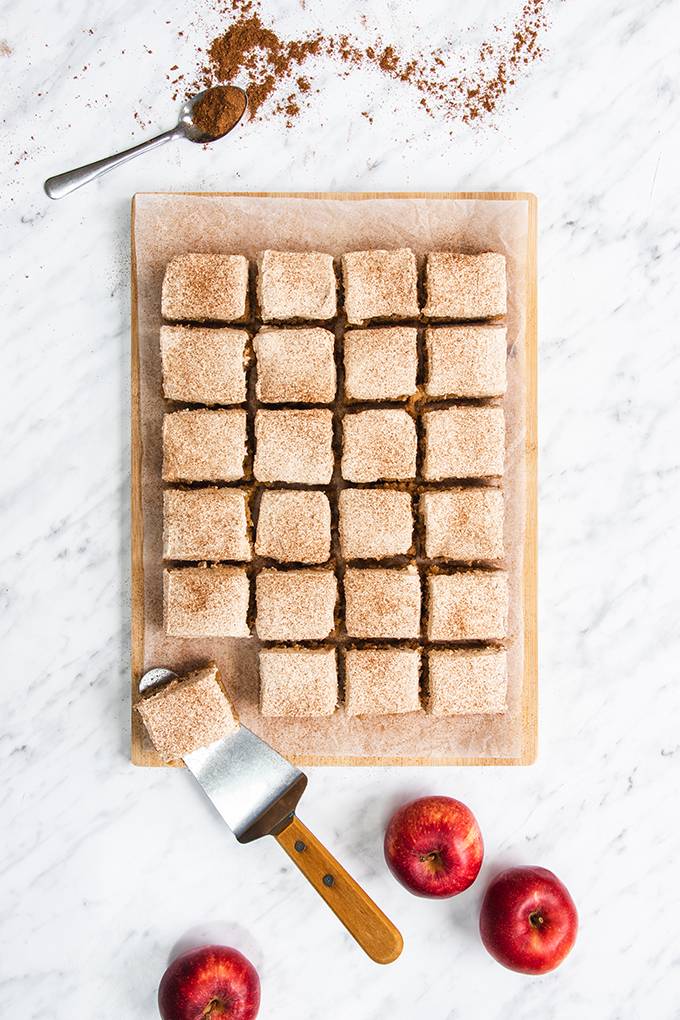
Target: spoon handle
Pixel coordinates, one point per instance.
(64, 184)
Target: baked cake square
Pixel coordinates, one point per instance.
(464, 524)
(466, 361)
(190, 712)
(204, 366)
(206, 602)
(380, 285)
(464, 442)
(295, 365)
(202, 288)
(381, 364)
(465, 286)
(294, 446)
(382, 603)
(375, 523)
(298, 683)
(468, 606)
(294, 526)
(204, 445)
(379, 444)
(295, 605)
(205, 524)
(296, 285)
(467, 681)
(382, 681)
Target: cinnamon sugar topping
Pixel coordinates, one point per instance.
(188, 713)
(204, 287)
(206, 602)
(469, 681)
(470, 605)
(382, 603)
(298, 683)
(382, 681)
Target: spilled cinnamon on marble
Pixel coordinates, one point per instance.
(467, 89)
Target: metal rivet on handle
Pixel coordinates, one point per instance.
(328, 880)
(299, 846)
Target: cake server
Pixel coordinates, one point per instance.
(256, 791)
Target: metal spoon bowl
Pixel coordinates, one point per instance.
(186, 115)
(156, 677)
(64, 184)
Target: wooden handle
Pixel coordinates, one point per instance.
(374, 932)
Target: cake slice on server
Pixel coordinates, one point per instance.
(256, 791)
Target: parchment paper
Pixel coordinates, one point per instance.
(168, 224)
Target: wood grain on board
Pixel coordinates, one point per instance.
(141, 754)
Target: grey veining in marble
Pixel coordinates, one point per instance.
(107, 870)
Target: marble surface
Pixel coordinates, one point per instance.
(107, 869)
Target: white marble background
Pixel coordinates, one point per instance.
(104, 867)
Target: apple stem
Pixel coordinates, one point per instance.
(536, 919)
(211, 1007)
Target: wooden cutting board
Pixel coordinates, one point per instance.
(141, 752)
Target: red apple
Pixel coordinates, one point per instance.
(434, 847)
(210, 982)
(528, 920)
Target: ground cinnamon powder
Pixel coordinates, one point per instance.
(250, 52)
(218, 110)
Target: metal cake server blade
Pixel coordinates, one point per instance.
(256, 791)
